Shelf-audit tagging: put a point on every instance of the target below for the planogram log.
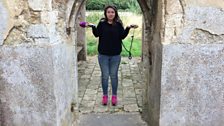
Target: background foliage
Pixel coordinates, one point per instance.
(127, 19)
(129, 12)
(126, 5)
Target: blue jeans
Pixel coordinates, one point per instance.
(109, 66)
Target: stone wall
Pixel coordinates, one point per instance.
(38, 74)
(183, 57)
(81, 35)
(192, 63)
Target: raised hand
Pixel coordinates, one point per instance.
(86, 24)
(133, 26)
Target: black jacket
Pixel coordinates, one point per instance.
(110, 37)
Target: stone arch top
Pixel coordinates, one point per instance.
(73, 7)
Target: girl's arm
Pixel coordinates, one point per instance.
(124, 32)
(96, 30)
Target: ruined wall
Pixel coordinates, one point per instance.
(37, 64)
(192, 63)
(153, 72)
(81, 34)
(152, 58)
(184, 41)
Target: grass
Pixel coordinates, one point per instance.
(127, 18)
(136, 47)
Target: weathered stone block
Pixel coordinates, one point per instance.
(37, 31)
(49, 17)
(206, 3)
(27, 86)
(204, 19)
(173, 7)
(37, 85)
(40, 5)
(192, 85)
(9, 9)
(41, 41)
(3, 22)
(65, 81)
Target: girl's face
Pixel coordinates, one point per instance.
(110, 14)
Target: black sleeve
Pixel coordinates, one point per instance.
(124, 32)
(97, 30)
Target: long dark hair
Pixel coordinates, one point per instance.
(116, 18)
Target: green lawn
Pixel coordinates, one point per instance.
(127, 18)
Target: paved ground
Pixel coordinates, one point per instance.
(130, 91)
(125, 119)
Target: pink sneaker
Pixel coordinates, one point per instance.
(114, 100)
(104, 99)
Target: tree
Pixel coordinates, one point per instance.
(131, 5)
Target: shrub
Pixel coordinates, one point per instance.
(126, 5)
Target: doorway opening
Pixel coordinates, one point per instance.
(148, 9)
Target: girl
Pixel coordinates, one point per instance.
(110, 31)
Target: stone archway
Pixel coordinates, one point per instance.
(174, 26)
(150, 12)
